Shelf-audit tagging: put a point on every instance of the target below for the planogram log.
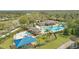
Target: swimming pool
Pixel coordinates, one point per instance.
(56, 28)
(28, 33)
(52, 28)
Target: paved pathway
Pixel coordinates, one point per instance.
(3, 36)
(67, 44)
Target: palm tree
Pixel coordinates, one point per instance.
(51, 34)
(55, 35)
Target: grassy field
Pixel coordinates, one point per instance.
(8, 40)
(50, 45)
(6, 44)
(55, 43)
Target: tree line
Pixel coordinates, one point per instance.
(71, 18)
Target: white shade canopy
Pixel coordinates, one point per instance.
(20, 35)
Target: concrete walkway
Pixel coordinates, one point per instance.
(3, 36)
(67, 44)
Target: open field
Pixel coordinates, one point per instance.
(52, 44)
(56, 43)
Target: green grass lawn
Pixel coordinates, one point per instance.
(8, 41)
(6, 44)
(55, 43)
(52, 44)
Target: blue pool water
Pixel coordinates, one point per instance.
(27, 33)
(54, 28)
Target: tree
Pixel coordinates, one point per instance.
(51, 34)
(24, 22)
(66, 32)
(50, 17)
(77, 31)
(38, 16)
(55, 35)
(71, 24)
(2, 25)
(31, 19)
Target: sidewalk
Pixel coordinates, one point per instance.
(67, 44)
(7, 34)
